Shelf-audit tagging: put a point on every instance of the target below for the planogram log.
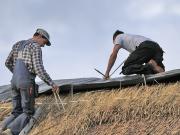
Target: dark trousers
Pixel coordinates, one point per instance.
(137, 62)
(23, 100)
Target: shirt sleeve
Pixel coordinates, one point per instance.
(9, 60)
(118, 40)
(38, 66)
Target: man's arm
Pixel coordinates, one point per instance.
(112, 60)
(9, 61)
(39, 68)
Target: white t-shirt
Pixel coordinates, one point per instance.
(130, 42)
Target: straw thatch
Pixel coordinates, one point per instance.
(133, 110)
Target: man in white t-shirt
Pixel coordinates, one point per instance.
(145, 57)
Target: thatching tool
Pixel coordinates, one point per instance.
(117, 68)
(99, 72)
(112, 72)
(58, 100)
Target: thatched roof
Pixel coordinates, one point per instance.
(132, 110)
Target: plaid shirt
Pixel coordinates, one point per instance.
(32, 57)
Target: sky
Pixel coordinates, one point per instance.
(81, 32)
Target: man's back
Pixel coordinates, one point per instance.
(26, 54)
(32, 57)
(129, 42)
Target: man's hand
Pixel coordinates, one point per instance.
(106, 77)
(55, 88)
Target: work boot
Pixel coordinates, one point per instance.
(155, 66)
(6, 132)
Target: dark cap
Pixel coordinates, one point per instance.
(45, 34)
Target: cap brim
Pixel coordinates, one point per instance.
(49, 43)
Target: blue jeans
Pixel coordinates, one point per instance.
(23, 101)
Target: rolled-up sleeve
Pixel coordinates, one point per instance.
(39, 67)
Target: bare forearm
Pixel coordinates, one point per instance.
(111, 62)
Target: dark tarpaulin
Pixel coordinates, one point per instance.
(89, 84)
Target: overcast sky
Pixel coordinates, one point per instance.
(81, 31)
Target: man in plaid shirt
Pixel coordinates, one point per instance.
(25, 62)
